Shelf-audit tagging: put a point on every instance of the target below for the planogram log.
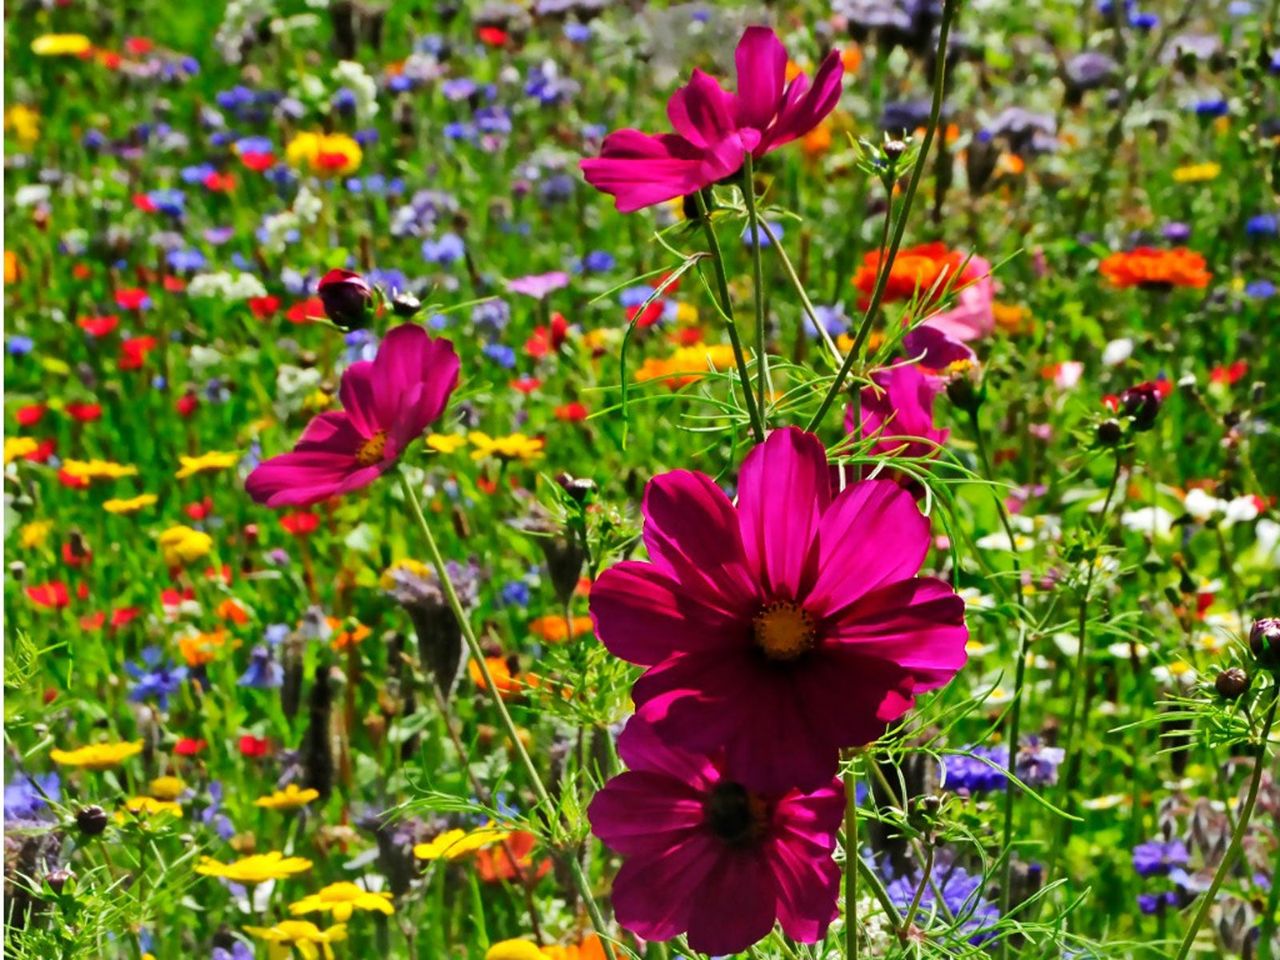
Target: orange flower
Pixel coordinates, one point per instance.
(201, 648)
(504, 678)
(914, 269)
(553, 629)
(230, 609)
(493, 863)
(851, 58)
(355, 634)
(1153, 269)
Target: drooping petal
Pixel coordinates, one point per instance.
(357, 395)
(645, 813)
(643, 616)
(783, 489)
(872, 534)
(654, 896)
(798, 117)
(702, 111)
(640, 170)
(762, 74)
(916, 624)
(735, 904)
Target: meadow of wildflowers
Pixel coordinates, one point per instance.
(597, 479)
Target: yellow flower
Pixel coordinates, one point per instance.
(254, 869)
(415, 567)
(515, 446)
(686, 314)
(167, 788)
(12, 270)
(182, 545)
(290, 798)
(514, 950)
(453, 844)
(446, 442)
(326, 154)
(61, 45)
(15, 448)
(97, 756)
(35, 533)
(129, 504)
(25, 124)
(304, 936)
(316, 400)
(97, 470)
(206, 463)
(341, 899)
(1197, 172)
(142, 807)
(198, 648)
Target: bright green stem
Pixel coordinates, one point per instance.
(477, 655)
(757, 278)
(726, 309)
(850, 857)
(886, 263)
(805, 302)
(1237, 835)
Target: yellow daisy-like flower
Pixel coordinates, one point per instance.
(210, 462)
(1197, 172)
(326, 154)
(514, 950)
(198, 649)
(515, 446)
(453, 844)
(120, 505)
(61, 45)
(257, 868)
(15, 448)
(97, 470)
(167, 788)
(182, 545)
(25, 124)
(290, 798)
(34, 534)
(341, 900)
(446, 442)
(97, 756)
(143, 807)
(303, 935)
(415, 567)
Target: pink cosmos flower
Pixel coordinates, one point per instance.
(387, 403)
(715, 128)
(539, 285)
(706, 856)
(972, 317)
(784, 628)
(900, 408)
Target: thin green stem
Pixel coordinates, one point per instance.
(925, 874)
(1269, 918)
(477, 655)
(1237, 835)
(805, 302)
(726, 309)
(757, 279)
(850, 855)
(886, 263)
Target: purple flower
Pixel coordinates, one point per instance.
(1157, 858)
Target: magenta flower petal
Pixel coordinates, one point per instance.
(807, 879)
(783, 488)
(736, 905)
(761, 60)
(639, 170)
(638, 805)
(873, 533)
(800, 115)
(409, 357)
(654, 895)
(973, 315)
(299, 478)
(357, 395)
(900, 409)
(702, 111)
(331, 432)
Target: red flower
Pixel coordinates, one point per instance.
(258, 162)
(220, 182)
(571, 412)
(687, 336)
(189, 746)
(492, 36)
(1229, 374)
(132, 298)
(76, 554)
(187, 404)
(53, 595)
(138, 46)
(99, 326)
(75, 483)
(29, 416)
(133, 352)
(547, 339)
(300, 522)
(42, 453)
(144, 203)
(93, 621)
(264, 307)
(251, 746)
(199, 510)
(173, 284)
(124, 616)
(84, 412)
(526, 385)
(175, 598)
(306, 311)
(81, 271)
(652, 314)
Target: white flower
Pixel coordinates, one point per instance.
(31, 194)
(1202, 506)
(1241, 510)
(352, 75)
(1117, 351)
(226, 286)
(1156, 521)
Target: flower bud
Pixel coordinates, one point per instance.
(406, 305)
(1264, 642)
(1141, 403)
(91, 820)
(1232, 683)
(347, 299)
(1109, 433)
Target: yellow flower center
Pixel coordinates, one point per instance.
(784, 631)
(370, 451)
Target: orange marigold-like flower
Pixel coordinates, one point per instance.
(914, 272)
(1155, 269)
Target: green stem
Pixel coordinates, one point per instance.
(925, 874)
(886, 263)
(726, 309)
(477, 655)
(805, 302)
(850, 856)
(757, 279)
(1269, 918)
(1237, 835)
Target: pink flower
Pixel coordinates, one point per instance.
(972, 317)
(539, 285)
(715, 128)
(900, 408)
(706, 856)
(387, 403)
(783, 629)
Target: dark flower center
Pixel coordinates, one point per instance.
(370, 451)
(784, 631)
(735, 815)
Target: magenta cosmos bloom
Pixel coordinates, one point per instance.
(386, 404)
(706, 856)
(714, 129)
(785, 628)
(898, 411)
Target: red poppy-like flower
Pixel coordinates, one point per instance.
(76, 554)
(783, 628)
(71, 481)
(52, 595)
(29, 416)
(1152, 268)
(81, 271)
(258, 162)
(547, 339)
(189, 746)
(133, 352)
(572, 412)
(494, 864)
(299, 523)
(99, 326)
(84, 412)
(173, 284)
(651, 314)
(199, 510)
(253, 747)
(264, 307)
(1229, 374)
(144, 203)
(220, 182)
(492, 36)
(707, 855)
(138, 46)
(124, 616)
(526, 384)
(306, 311)
(187, 404)
(132, 298)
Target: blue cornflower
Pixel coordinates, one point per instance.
(1037, 764)
(500, 354)
(276, 633)
(1176, 232)
(255, 144)
(491, 317)
(598, 261)
(515, 593)
(832, 318)
(19, 346)
(184, 260)
(241, 951)
(967, 774)
(635, 294)
(344, 100)
(1211, 108)
(1262, 225)
(171, 202)
(751, 237)
(154, 678)
(236, 98)
(576, 32)
(212, 815)
(1158, 858)
(1260, 289)
(1141, 20)
(493, 119)
(263, 673)
(22, 801)
(1150, 903)
(459, 88)
(446, 249)
(197, 173)
(961, 893)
